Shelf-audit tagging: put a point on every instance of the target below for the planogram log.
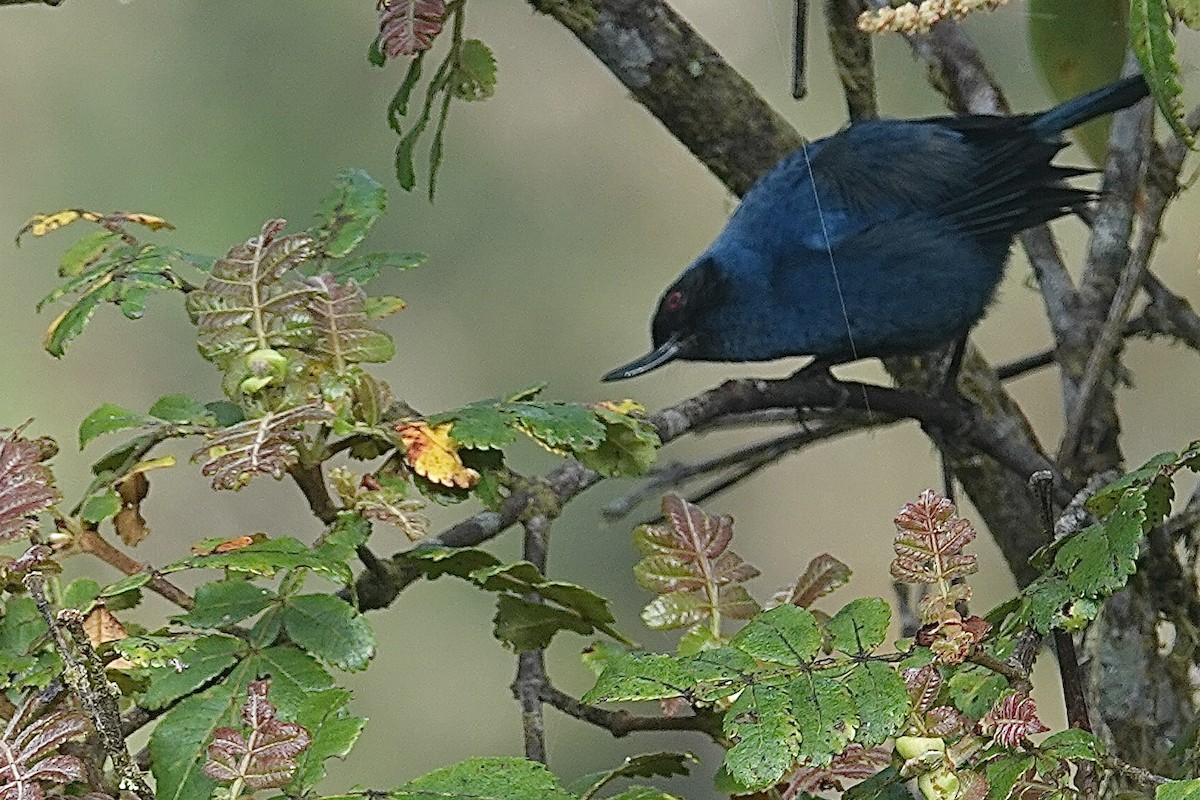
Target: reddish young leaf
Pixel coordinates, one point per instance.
(264, 757)
(687, 561)
(929, 542)
(27, 757)
(406, 27)
(923, 684)
(266, 444)
(855, 763)
(1013, 719)
(26, 485)
(823, 574)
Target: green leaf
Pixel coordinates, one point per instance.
(1154, 44)
(559, 425)
(1187, 11)
(481, 426)
(108, 418)
(330, 628)
(648, 765)
(86, 251)
(767, 742)
(179, 742)
(182, 410)
(485, 779)
(71, 322)
(226, 603)
(1073, 744)
(641, 676)
(80, 593)
(629, 449)
(526, 625)
(267, 557)
(882, 700)
(825, 715)
(100, 507)
(784, 635)
(860, 626)
(436, 561)
(295, 676)
(1099, 560)
(381, 306)
(364, 269)
(20, 626)
(674, 610)
(398, 106)
(974, 690)
(1003, 773)
(348, 533)
(474, 75)
(127, 584)
(349, 211)
(332, 731)
(209, 657)
(1178, 790)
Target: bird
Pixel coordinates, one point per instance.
(886, 238)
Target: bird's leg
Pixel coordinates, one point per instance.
(818, 371)
(946, 388)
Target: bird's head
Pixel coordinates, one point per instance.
(682, 323)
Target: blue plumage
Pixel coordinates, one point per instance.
(886, 238)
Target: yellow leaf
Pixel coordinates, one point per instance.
(432, 454)
(623, 406)
(101, 626)
(150, 221)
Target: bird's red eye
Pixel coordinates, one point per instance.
(676, 300)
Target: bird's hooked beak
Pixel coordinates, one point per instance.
(669, 350)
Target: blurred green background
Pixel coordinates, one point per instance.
(563, 209)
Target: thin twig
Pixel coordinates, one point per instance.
(89, 540)
(622, 723)
(85, 675)
(531, 665)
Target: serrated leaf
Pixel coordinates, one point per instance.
(1073, 744)
(408, 27)
(860, 626)
(785, 635)
(558, 426)
(676, 610)
(381, 306)
(344, 336)
(485, 779)
(331, 629)
(266, 557)
(181, 410)
(348, 212)
(974, 690)
(765, 736)
(641, 676)
(822, 575)
(267, 445)
(930, 537)
(826, 717)
(207, 658)
(1187, 11)
(432, 455)
(435, 561)
(474, 73)
(630, 445)
(178, 743)
(364, 269)
(481, 426)
(1100, 559)
(260, 754)
(107, 419)
(333, 730)
(26, 484)
(226, 603)
(648, 765)
(526, 625)
(882, 700)
(1153, 43)
(98, 508)
(1178, 790)
(295, 676)
(86, 251)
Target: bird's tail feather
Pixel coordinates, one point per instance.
(1105, 100)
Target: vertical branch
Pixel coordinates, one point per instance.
(854, 56)
(531, 665)
(799, 45)
(85, 675)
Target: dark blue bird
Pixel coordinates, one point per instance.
(887, 238)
